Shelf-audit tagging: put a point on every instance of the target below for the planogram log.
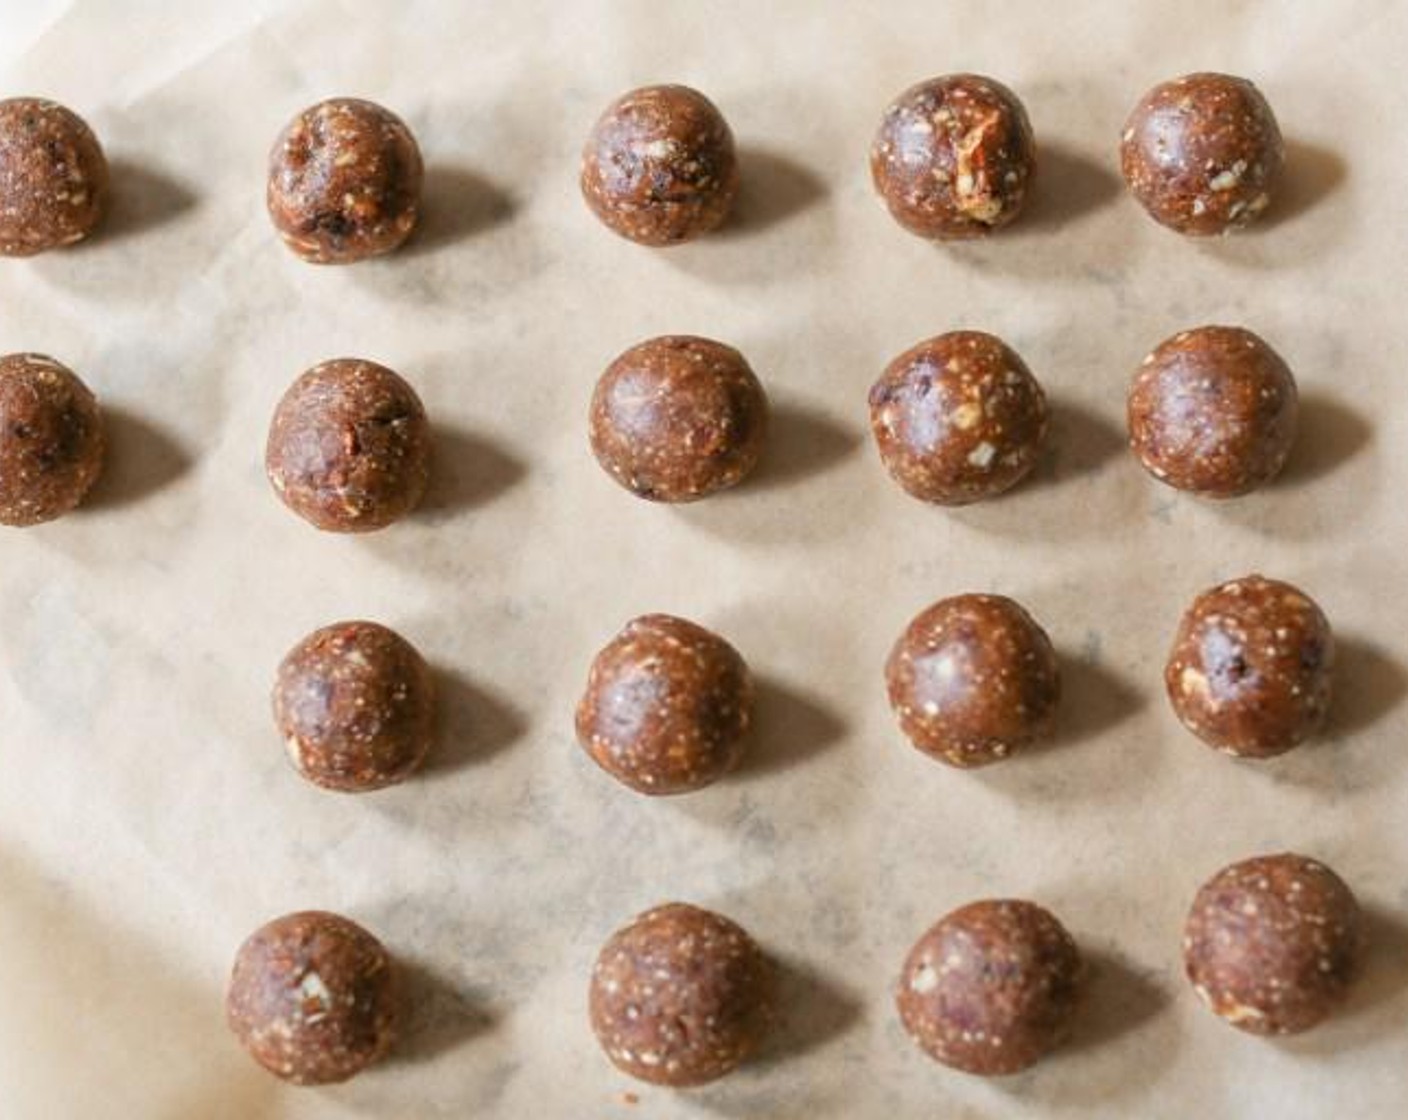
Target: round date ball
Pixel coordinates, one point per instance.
(973, 679)
(53, 177)
(51, 439)
(992, 987)
(675, 419)
(344, 182)
(355, 704)
(680, 996)
(1250, 668)
(659, 166)
(958, 418)
(349, 447)
(954, 157)
(1272, 943)
(1213, 411)
(666, 707)
(1202, 153)
(312, 997)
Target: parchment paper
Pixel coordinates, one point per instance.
(149, 821)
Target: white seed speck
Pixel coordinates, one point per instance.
(966, 415)
(982, 455)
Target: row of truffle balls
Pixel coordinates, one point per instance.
(681, 995)
(957, 419)
(668, 704)
(954, 158)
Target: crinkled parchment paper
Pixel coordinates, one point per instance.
(148, 818)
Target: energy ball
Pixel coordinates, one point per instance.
(659, 166)
(1250, 668)
(992, 987)
(1202, 153)
(973, 679)
(1213, 411)
(958, 418)
(344, 182)
(666, 707)
(355, 704)
(51, 439)
(680, 996)
(313, 998)
(677, 418)
(349, 447)
(1272, 943)
(954, 157)
(53, 177)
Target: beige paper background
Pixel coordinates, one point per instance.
(148, 820)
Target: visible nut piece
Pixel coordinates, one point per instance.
(51, 439)
(680, 996)
(666, 706)
(992, 987)
(1202, 153)
(659, 166)
(312, 997)
(349, 447)
(344, 182)
(1273, 943)
(958, 418)
(677, 418)
(355, 705)
(1213, 411)
(1251, 667)
(53, 177)
(973, 679)
(954, 157)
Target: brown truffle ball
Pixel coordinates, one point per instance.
(344, 182)
(973, 679)
(666, 707)
(349, 447)
(659, 166)
(51, 439)
(680, 996)
(954, 157)
(53, 177)
(958, 418)
(677, 418)
(992, 987)
(355, 704)
(1213, 411)
(312, 997)
(1202, 153)
(1250, 668)
(1272, 943)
